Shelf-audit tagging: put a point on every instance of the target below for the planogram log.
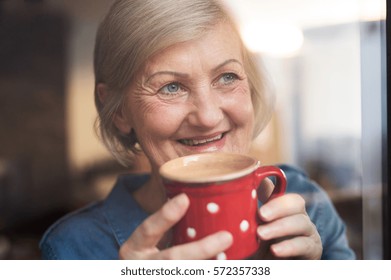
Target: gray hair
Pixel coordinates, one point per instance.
(134, 30)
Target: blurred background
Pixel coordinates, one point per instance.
(325, 60)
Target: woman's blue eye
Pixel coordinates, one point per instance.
(171, 88)
(228, 78)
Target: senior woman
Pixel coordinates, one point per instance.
(173, 78)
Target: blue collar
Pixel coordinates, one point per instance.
(122, 212)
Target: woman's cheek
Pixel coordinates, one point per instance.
(241, 100)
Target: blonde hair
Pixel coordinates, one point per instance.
(134, 30)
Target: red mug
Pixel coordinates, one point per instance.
(222, 188)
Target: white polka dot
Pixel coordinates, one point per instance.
(191, 232)
(212, 207)
(244, 225)
(254, 194)
(221, 256)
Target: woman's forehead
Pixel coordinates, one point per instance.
(214, 47)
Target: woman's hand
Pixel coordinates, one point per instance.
(288, 230)
(144, 242)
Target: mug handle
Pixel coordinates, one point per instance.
(264, 171)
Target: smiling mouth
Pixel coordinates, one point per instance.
(200, 142)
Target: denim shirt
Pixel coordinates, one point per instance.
(98, 230)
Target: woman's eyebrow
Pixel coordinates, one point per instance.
(228, 61)
(184, 75)
(171, 73)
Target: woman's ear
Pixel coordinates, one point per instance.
(120, 120)
(102, 92)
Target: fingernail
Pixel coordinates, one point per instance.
(225, 237)
(277, 249)
(181, 199)
(263, 232)
(266, 212)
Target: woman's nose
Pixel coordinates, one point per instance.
(206, 109)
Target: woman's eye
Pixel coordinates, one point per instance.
(171, 89)
(227, 78)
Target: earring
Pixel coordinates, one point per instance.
(133, 141)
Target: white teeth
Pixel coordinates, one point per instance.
(190, 142)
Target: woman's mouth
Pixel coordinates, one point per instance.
(200, 142)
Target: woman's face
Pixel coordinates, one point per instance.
(192, 97)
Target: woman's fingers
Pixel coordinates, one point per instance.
(148, 234)
(142, 244)
(299, 247)
(287, 225)
(265, 189)
(299, 224)
(282, 206)
(207, 248)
